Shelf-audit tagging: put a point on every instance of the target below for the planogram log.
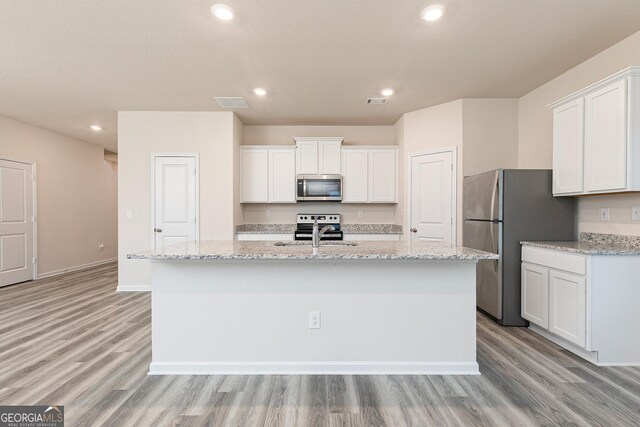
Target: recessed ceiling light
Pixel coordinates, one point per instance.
(432, 13)
(95, 128)
(259, 91)
(222, 12)
(387, 92)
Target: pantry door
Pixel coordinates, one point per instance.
(175, 213)
(17, 255)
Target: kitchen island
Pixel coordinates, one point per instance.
(241, 307)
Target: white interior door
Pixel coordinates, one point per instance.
(176, 215)
(432, 187)
(16, 222)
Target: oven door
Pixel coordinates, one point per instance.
(319, 188)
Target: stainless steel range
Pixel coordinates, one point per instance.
(304, 228)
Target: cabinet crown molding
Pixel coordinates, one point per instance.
(627, 72)
(318, 138)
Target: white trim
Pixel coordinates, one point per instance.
(133, 288)
(270, 147)
(454, 190)
(370, 147)
(627, 72)
(314, 367)
(77, 268)
(318, 138)
(152, 182)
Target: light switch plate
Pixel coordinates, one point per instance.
(604, 214)
(635, 213)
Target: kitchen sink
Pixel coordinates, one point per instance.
(322, 244)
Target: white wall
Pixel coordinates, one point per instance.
(536, 125)
(354, 135)
(211, 134)
(285, 213)
(76, 196)
(490, 134)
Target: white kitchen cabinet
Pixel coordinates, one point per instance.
(605, 138)
(318, 156)
(567, 310)
(372, 237)
(369, 174)
(267, 175)
(329, 157)
(568, 147)
(584, 303)
(383, 165)
(355, 176)
(282, 172)
(535, 294)
(254, 175)
(596, 137)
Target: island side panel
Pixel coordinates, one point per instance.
(252, 317)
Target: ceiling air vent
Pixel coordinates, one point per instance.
(231, 101)
(377, 101)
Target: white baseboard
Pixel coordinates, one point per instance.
(314, 368)
(134, 288)
(76, 268)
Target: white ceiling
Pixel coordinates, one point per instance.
(67, 64)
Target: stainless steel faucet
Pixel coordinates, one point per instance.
(317, 233)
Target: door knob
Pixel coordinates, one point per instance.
(158, 230)
(414, 230)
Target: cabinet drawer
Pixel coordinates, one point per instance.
(555, 259)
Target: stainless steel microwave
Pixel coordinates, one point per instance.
(319, 188)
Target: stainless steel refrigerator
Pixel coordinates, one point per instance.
(502, 208)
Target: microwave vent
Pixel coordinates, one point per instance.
(377, 101)
(231, 101)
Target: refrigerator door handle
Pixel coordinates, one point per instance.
(495, 194)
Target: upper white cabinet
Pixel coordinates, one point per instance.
(369, 174)
(596, 137)
(318, 156)
(568, 142)
(267, 175)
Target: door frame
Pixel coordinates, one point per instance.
(152, 181)
(34, 222)
(454, 190)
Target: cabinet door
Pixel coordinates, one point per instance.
(606, 139)
(567, 306)
(382, 175)
(329, 157)
(282, 176)
(254, 174)
(355, 176)
(535, 294)
(568, 147)
(307, 157)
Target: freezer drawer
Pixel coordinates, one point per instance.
(486, 236)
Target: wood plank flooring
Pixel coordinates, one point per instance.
(72, 340)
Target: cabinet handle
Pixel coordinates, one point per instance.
(414, 230)
(158, 230)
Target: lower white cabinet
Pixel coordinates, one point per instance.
(584, 303)
(267, 174)
(262, 236)
(567, 310)
(535, 294)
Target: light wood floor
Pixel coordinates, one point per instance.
(71, 340)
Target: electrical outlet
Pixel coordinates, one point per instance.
(314, 320)
(604, 214)
(635, 213)
(268, 213)
(129, 213)
(100, 247)
(360, 214)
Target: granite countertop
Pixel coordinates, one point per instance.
(594, 244)
(266, 250)
(346, 228)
